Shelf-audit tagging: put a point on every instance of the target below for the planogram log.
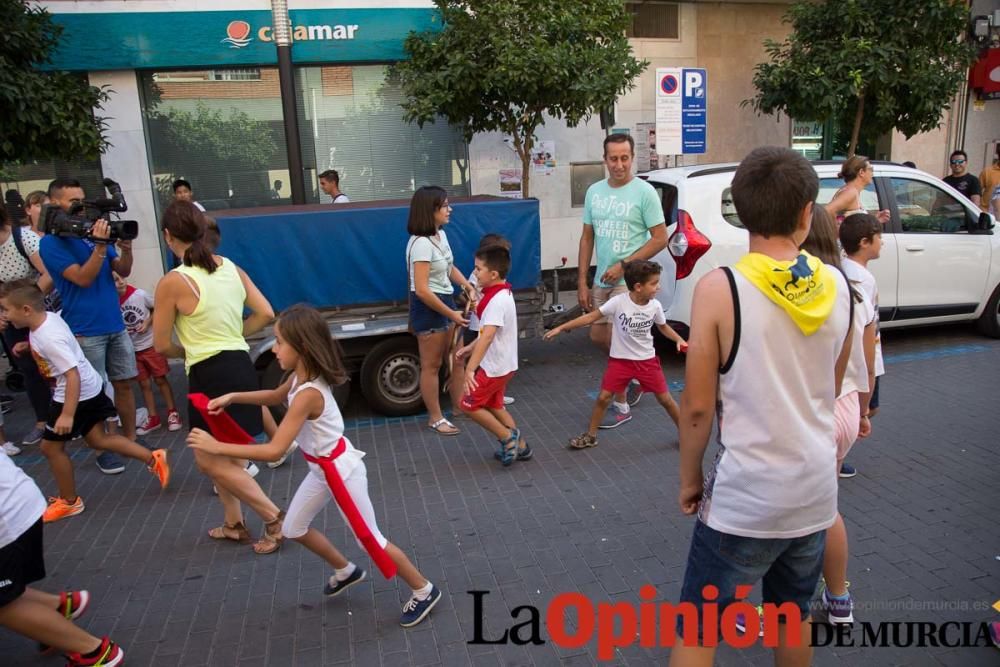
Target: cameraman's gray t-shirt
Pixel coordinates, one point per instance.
(13, 265)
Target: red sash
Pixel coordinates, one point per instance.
(343, 497)
(489, 293)
(223, 427)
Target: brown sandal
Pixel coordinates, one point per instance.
(236, 532)
(272, 538)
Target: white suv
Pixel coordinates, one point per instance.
(940, 258)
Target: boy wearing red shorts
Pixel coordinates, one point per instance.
(633, 357)
(136, 305)
(493, 359)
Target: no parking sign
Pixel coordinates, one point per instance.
(681, 110)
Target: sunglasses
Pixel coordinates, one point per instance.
(958, 161)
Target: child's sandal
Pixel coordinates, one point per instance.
(508, 448)
(236, 532)
(272, 538)
(583, 441)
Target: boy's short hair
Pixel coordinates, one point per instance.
(496, 258)
(856, 228)
(181, 183)
(494, 239)
(771, 187)
(213, 235)
(330, 176)
(964, 155)
(23, 293)
(639, 271)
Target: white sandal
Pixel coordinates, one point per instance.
(436, 427)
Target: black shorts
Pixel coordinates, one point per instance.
(22, 562)
(88, 413)
(220, 374)
(468, 336)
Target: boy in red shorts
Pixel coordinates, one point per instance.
(493, 359)
(136, 305)
(632, 316)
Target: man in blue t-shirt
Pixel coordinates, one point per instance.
(81, 270)
(623, 220)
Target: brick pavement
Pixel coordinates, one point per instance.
(602, 521)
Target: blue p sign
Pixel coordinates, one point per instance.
(693, 83)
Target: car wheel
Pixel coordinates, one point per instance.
(989, 321)
(390, 377)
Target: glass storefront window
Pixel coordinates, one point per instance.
(27, 178)
(222, 131)
(350, 120)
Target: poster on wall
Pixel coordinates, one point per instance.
(646, 157)
(510, 183)
(543, 157)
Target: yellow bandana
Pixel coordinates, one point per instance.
(805, 288)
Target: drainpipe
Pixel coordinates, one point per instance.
(282, 27)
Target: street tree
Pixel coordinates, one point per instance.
(43, 114)
(502, 66)
(871, 65)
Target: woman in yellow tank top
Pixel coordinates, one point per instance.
(203, 301)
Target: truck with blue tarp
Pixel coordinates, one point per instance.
(349, 260)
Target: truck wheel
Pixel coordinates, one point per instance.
(390, 377)
(989, 321)
(272, 377)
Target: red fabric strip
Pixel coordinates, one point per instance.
(223, 427)
(489, 293)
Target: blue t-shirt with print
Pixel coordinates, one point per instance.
(89, 311)
(621, 218)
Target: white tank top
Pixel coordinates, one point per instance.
(772, 477)
(319, 436)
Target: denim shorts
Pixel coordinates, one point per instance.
(789, 567)
(424, 320)
(111, 355)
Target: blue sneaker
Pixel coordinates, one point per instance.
(334, 587)
(615, 418)
(633, 393)
(416, 610)
(109, 463)
(847, 471)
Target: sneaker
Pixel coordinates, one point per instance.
(847, 471)
(5, 399)
(633, 393)
(741, 621)
(838, 611)
(615, 418)
(10, 449)
(508, 400)
(60, 509)
(108, 655)
(110, 464)
(284, 457)
(72, 604)
(416, 610)
(334, 587)
(5, 408)
(35, 436)
(158, 466)
(174, 422)
(151, 424)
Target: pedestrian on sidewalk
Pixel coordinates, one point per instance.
(79, 405)
(632, 356)
(303, 347)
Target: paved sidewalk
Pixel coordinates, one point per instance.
(604, 522)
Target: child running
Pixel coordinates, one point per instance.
(493, 356)
(45, 617)
(304, 347)
(79, 405)
(633, 356)
(137, 311)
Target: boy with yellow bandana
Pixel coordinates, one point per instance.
(770, 339)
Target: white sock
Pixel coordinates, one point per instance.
(622, 407)
(341, 574)
(422, 593)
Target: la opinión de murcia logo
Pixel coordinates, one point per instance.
(238, 33)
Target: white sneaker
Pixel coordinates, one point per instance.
(284, 457)
(10, 449)
(508, 400)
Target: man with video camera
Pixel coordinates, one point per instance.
(81, 266)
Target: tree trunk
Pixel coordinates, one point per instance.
(526, 168)
(856, 130)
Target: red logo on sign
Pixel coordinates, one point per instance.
(669, 84)
(237, 34)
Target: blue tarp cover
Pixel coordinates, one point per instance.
(341, 255)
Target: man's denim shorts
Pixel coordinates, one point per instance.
(424, 320)
(790, 568)
(111, 355)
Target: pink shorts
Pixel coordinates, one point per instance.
(847, 420)
(648, 373)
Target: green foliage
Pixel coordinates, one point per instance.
(236, 140)
(43, 115)
(872, 64)
(499, 66)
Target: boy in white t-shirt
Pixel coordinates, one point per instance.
(137, 311)
(493, 356)
(632, 316)
(79, 405)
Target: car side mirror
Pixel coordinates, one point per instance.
(985, 221)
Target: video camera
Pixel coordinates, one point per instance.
(80, 219)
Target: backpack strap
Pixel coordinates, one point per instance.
(736, 320)
(19, 242)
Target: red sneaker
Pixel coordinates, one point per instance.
(108, 655)
(148, 426)
(72, 604)
(174, 422)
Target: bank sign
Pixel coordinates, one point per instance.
(157, 40)
(681, 111)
